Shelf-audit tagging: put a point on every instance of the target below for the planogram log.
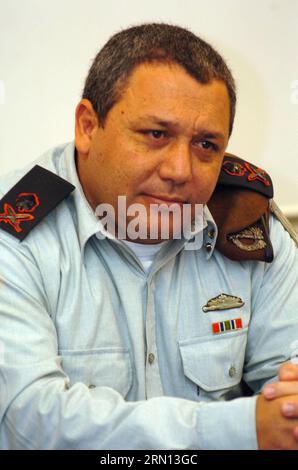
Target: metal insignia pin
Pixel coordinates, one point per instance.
(253, 234)
(223, 302)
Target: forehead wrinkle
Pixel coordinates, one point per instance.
(202, 111)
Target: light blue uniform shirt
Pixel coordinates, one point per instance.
(98, 354)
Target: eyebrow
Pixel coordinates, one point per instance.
(171, 124)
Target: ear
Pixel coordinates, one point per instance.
(86, 124)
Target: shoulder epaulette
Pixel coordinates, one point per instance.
(236, 172)
(30, 200)
(240, 206)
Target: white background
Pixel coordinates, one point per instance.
(46, 48)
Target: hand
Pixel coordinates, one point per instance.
(274, 431)
(286, 386)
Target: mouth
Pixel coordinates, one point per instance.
(164, 199)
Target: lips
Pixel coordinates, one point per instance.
(163, 199)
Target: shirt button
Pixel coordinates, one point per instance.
(151, 358)
(208, 247)
(232, 371)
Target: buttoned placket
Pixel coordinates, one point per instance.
(153, 380)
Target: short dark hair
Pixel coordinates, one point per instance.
(152, 42)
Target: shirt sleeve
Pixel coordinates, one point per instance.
(273, 329)
(39, 410)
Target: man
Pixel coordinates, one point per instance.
(111, 343)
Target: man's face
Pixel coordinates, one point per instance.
(163, 141)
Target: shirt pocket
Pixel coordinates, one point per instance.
(213, 365)
(109, 367)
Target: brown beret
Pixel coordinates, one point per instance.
(240, 208)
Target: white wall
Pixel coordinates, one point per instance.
(46, 48)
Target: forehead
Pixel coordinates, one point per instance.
(167, 89)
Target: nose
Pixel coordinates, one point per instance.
(176, 164)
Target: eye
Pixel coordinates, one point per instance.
(207, 145)
(156, 134)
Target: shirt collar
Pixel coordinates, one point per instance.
(87, 222)
(203, 233)
(89, 225)
(210, 233)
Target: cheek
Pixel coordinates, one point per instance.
(137, 167)
(124, 176)
(203, 185)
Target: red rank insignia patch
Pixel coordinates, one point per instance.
(27, 202)
(234, 168)
(257, 174)
(9, 216)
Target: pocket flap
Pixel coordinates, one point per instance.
(214, 363)
(110, 367)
